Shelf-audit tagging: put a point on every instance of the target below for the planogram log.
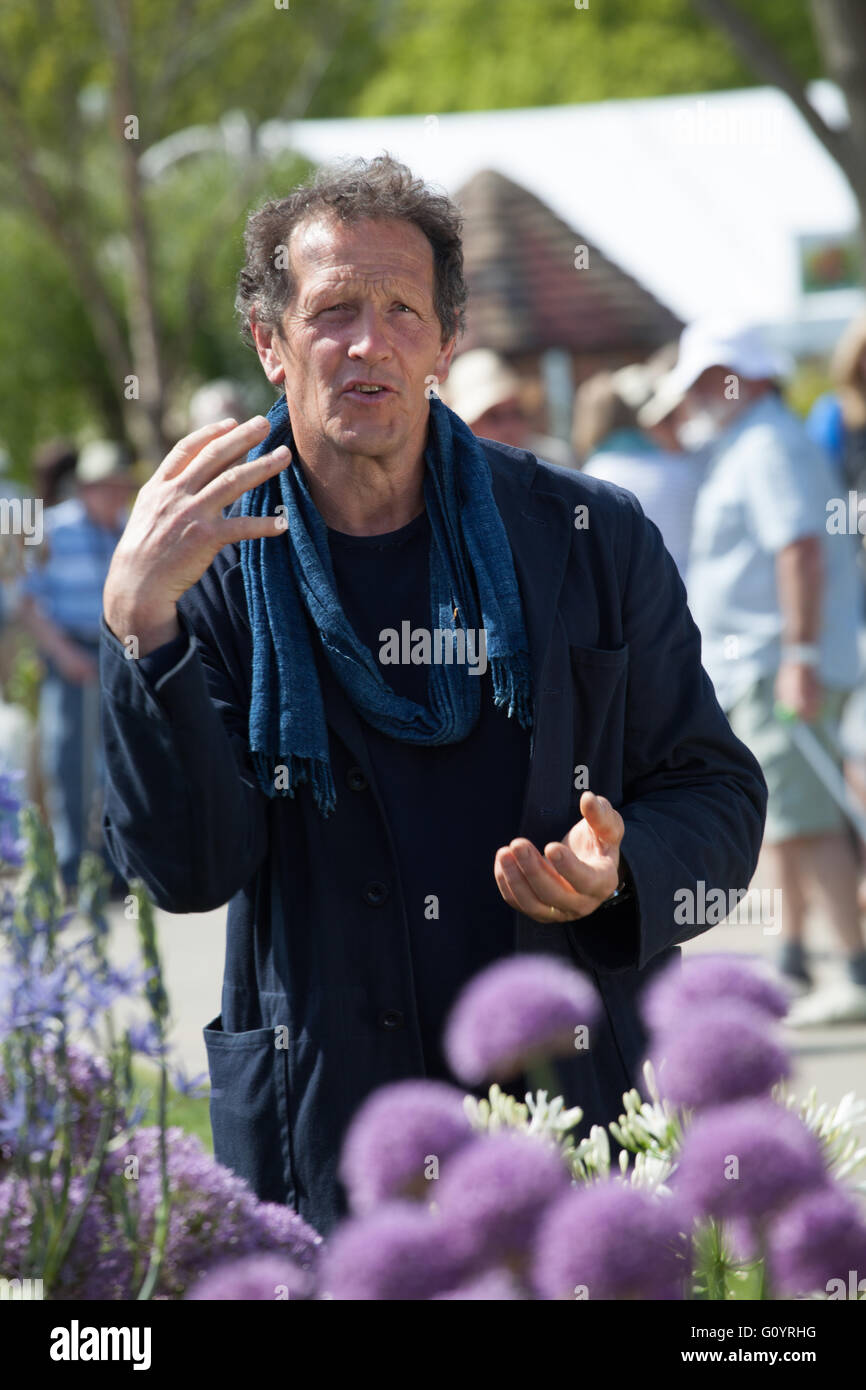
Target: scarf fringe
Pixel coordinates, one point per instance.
(512, 686)
(300, 771)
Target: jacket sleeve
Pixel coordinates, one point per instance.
(694, 797)
(182, 810)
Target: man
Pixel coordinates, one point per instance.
(775, 598)
(484, 391)
(61, 607)
(384, 829)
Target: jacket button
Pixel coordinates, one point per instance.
(389, 1019)
(375, 892)
(355, 780)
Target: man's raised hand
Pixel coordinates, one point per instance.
(176, 526)
(573, 876)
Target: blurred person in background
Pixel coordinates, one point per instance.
(220, 399)
(19, 530)
(54, 471)
(608, 438)
(61, 607)
(837, 421)
(484, 391)
(776, 599)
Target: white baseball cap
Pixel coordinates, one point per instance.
(103, 460)
(730, 343)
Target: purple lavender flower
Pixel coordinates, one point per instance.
(495, 1192)
(260, 1277)
(83, 1089)
(496, 1286)
(144, 1038)
(399, 1252)
(194, 1086)
(688, 988)
(818, 1238)
(747, 1160)
(609, 1240)
(394, 1136)
(721, 1053)
(516, 1011)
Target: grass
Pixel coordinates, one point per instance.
(190, 1113)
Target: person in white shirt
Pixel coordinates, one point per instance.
(775, 596)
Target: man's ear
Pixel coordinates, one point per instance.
(443, 360)
(265, 339)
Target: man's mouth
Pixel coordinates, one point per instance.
(368, 390)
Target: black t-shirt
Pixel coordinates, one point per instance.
(449, 806)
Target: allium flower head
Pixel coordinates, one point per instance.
(747, 1160)
(260, 1277)
(495, 1191)
(496, 1286)
(722, 1053)
(519, 1009)
(610, 1240)
(394, 1136)
(819, 1237)
(399, 1252)
(689, 987)
(214, 1214)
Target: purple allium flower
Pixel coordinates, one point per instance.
(400, 1251)
(261, 1277)
(610, 1240)
(520, 1009)
(748, 1160)
(721, 1053)
(687, 988)
(495, 1286)
(214, 1214)
(495, 1191)
(819, 1237)
(98, 1265)
(393, 1137)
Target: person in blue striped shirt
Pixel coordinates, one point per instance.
(61, 605)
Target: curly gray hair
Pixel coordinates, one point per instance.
(351, 191)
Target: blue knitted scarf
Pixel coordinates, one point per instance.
(289, 579)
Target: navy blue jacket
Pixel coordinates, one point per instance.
(317, 1004)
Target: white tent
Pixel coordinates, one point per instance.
(701, 198)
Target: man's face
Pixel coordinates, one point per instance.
(504, 421)
(106, 502)
(362, 313)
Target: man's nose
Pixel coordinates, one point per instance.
(370, 340)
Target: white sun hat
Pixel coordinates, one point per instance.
(478, 380)
(716, 342)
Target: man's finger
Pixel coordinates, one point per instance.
(596, 881)
(221, 452)
(186, 449)
(250, 528)
(605, 823)
(536, 885)
(239, 478)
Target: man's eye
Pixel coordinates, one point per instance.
(407, 307)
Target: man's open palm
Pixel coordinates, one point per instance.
(573, 875)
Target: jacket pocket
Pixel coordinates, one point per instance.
(249, 1108)
(599, 678)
